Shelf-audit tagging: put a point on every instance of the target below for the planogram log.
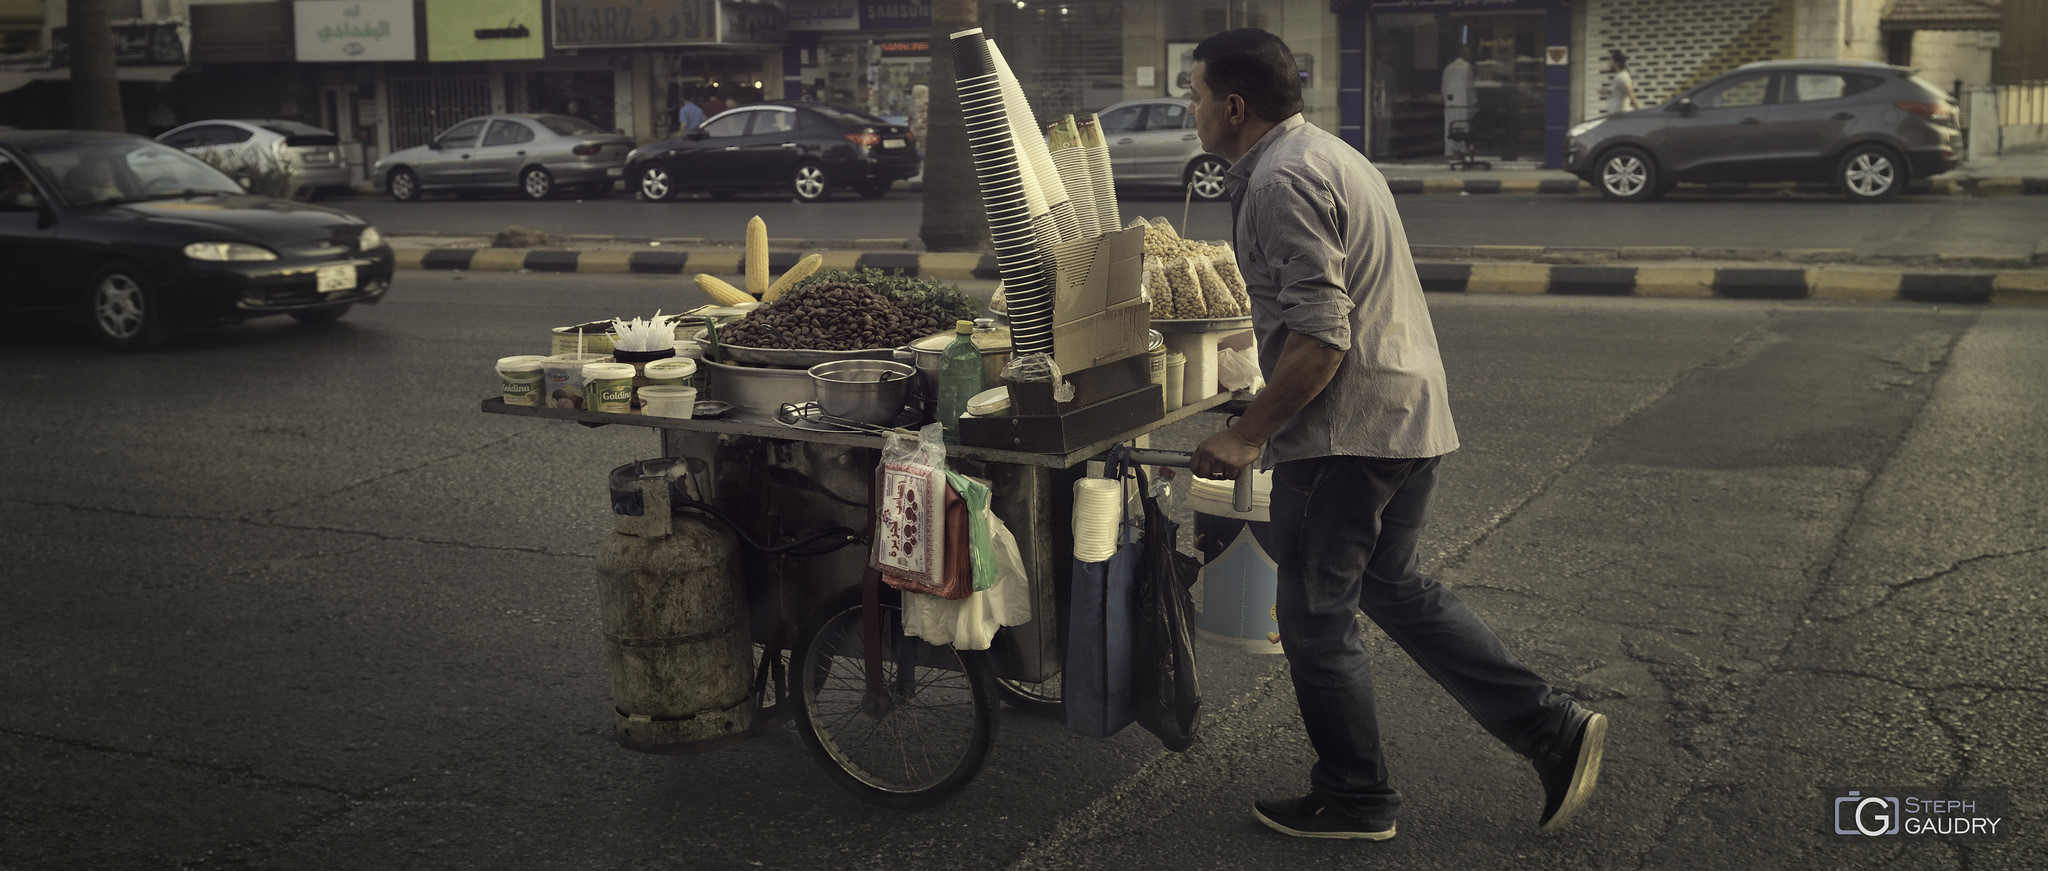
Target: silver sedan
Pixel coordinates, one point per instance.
(533, 154)
(1152, 142)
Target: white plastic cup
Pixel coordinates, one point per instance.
(668, 400)
(524, 379)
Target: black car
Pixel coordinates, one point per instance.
(808, 149)
(1866, 128)
(133, 237)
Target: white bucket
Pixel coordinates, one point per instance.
(1240, 580)
(524, 379)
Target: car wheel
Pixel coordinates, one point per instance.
(809, 182)
(537, 183)
(869, 190)
(1870, 173)
(323, 315)
(653, 183)
(1627, 174)
(1206, 176)
(404, 186)
(122, 310)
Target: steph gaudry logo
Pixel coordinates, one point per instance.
(1878, 813)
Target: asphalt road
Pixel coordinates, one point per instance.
(281, 597)
(1909, 226)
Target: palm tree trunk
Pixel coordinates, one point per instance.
(953, 217)
(95, 91)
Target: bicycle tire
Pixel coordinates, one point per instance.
(1044, 697)
(938, 723)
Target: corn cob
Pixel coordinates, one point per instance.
(721, 292)
(757, 256)
(799, 272)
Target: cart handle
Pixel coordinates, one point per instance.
(1240, 497)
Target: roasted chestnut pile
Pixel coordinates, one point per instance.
(835, 316)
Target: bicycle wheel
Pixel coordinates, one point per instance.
(1044, 697)
(927, 734)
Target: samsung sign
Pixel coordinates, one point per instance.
(895, 16)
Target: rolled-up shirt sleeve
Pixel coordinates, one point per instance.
(1300, 232)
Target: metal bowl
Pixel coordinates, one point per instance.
(757, 392)
(869, 391)
(790, 358)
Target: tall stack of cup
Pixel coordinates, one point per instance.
(1098, 512)
(1006, 194)
(1096, 147)
(1063, 140)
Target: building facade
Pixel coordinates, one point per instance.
(388, 74)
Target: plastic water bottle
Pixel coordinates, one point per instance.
(959, 378)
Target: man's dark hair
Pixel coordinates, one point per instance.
(1620, 60)
(1256, 66)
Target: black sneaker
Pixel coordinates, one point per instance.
(1313, 816)
(1570, 771)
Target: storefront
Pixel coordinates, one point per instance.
(1496, 71)
(862, 55)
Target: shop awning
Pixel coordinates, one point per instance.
(15, 79)
(1940, 15)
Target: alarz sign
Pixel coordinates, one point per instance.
(352, 30)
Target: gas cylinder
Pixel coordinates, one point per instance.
(673, 609)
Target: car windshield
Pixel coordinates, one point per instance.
(114, 170)
(563, 125)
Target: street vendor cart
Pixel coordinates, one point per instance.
(897, 719)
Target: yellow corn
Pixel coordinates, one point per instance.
(721, 292)
(799, 272)
(757, 255)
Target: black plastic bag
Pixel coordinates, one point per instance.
(1167, 693)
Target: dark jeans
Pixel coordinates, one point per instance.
(1345, 529)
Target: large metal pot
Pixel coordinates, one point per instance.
(927, 353)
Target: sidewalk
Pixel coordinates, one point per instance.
(1735, 273)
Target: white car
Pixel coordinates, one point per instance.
(1152, 143)
(312, 154)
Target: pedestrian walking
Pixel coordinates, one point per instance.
(1353, 421)
(714, 105)
(689, 117)
(1621, 93)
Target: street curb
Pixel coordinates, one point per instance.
(1523, 270)
(1972, 186)
(1751, 283)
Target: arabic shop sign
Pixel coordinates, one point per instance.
(354, 30)
(484, 30)
(134, 45)
(591, 23)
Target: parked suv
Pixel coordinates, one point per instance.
(1867, 128)
(1153, 143)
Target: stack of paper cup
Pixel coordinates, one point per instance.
(1096, 147)
(1098, 511)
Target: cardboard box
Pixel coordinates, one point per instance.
(1097, 274)
(1103, 337)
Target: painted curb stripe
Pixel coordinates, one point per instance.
(1482, 186)
(1760, 283)
(551, 261)
(498, 260)
(447, 258)
(659, 262)
(1444, 277)
(889, 261)
(1593, 280)
(1966, 289)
